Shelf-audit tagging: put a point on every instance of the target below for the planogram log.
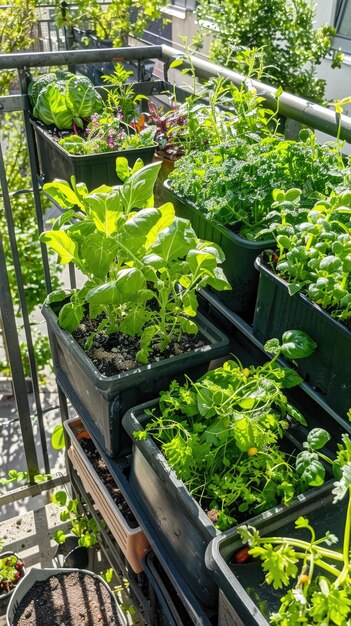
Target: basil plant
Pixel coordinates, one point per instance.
(143, 265)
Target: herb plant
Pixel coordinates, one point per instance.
(221, 436)
(142, 268)
(121, 98)
(233, 184)
(314, 249)
(318, 577)
(105, 133)
(218, 113)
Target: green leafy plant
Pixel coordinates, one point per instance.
(317, 576)
(233, 184)
(121, 98)
(119, 18)
(105, 133)
(14, 476)
(11, 571)
(218, 113)
(131, 259)
(82, 526)
(314, 249)
(65, 101)
(283, 30)
(42, 356)
(221, 435)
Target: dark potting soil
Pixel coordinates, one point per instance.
(101, 469)
(56, 134)
(74, 599)
(116, 353)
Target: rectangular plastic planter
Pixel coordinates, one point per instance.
(132, 541)
(101, 401)
(328, 368)
(240, 255)
(92, 169)
(163, 597)
(242, 589)
(182, 525)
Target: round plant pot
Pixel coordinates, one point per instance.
(70, 554)
(37, 575)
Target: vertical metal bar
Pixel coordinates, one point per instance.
(72, 276)
(18, 380)
(24, 309)
(34, 170)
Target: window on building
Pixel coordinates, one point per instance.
(343, 26)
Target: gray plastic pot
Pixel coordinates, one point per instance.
(38, 575)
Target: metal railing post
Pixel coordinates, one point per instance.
(18, 381)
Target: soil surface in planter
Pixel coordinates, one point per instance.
(74, 599)
(101, 469)
(57, 134)
(116, 353)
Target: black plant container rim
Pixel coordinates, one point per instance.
(239, 241)
(262, 267)
(139, 373)
(101, 156)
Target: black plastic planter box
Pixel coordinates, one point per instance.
(182, 525)
(240, 255)
(101, 401)
(92, 169)
(328, 368)
(243, 593)
(166, 603)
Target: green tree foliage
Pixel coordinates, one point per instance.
(284, 29)
(16, 35)
(116, 21)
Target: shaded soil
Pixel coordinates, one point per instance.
(74, 599)
(56, 134)
(116, 353)
(101, 469)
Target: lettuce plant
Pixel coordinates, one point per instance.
(64, 101)
(142, 268)
(221, 435)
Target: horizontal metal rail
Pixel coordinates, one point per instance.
(291, 106)
(72, 57)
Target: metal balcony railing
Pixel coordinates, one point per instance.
(290, 106)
